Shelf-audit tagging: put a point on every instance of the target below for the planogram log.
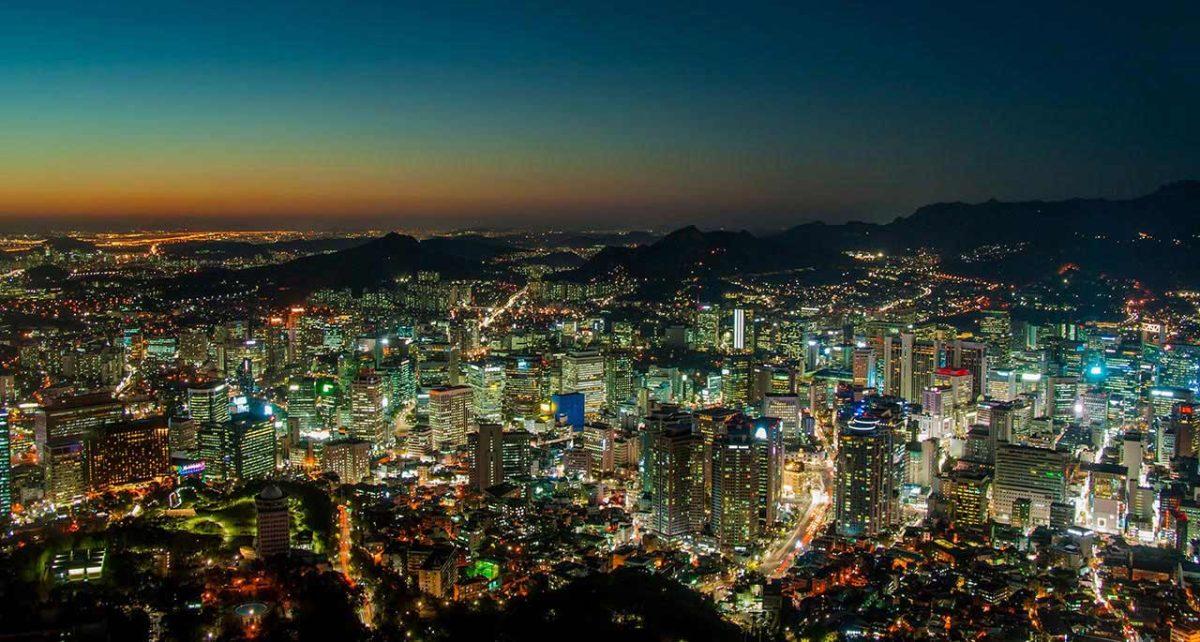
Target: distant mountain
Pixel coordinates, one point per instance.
(1153, 238)
(367, 265)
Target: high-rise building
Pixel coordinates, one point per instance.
(865, 496)
(583, 372)
(1036, 475)
(208, 402)
(348, 458)
(676, 470)
(788, 408)
(60, 430)
(272, 529)
(487, 381)
(966, 491)
(516, 453)
(368, 404)
(449, 416)
(239, 449)
(739, 330)
(488, 455)
(128, 452)
(5, 467)
(523, 393)
(995, 327)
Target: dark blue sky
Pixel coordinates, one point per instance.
(394, 114)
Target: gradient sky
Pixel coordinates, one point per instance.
(580, 114)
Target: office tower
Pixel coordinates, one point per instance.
(739, 329)
(516, 456)
(708, 328)
(618, 380)
(368, 405)
(1183, 422)
(1092, 408)
(676, 470)
(348, 458)
(909, 365)
(523, 394)
(995, 327)
(862, 367)
(302, 403)
(1000, 419)
(239, 449)
(61, 428)
(5, 468)
(1036, 475)
(971, 357)
(598, 441)
(449, 416)
(788, 409)
(583, 372)
(208, 402)
(488, 454)
(182, 436)
(735, 382)
(487, 391)
(1060, 397)
(966, 491)
(864, 488)
(272, 536)
(128, 452)
(1133, 452)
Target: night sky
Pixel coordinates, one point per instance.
(581, 114)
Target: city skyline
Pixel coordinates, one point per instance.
(401, 116)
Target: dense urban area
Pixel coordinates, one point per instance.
(601, 435)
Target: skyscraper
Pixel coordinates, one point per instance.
(242, 448)
(676, 469)
(488, 455)
(367, 405)
(487, 381)
(864, 490)
(583, 372)
(5, 467)
(209, 402)
(449, 415)
(1036, 475)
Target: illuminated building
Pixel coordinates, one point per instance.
(487, 391)
(522, 388)
(676, 469)
(302, 403)
(209, 402)
(995, 326)
(864, 486)
(128, 452)
(449, 415)
(966, 490)
(367, 405)
(5, 467)
(61, 429)
(273, 524)
(1036, 475)
(909, 365)
(1106, 497)
(583, 372)
(516, 453)
(239, 449)
(618, 380)
(348, 458)
(1061, 393)
(487, 449)
(708, 328)
(739, 329)
(788, 408)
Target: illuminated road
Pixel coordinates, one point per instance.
(367, 612)
(779, 559)
(496, 313)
